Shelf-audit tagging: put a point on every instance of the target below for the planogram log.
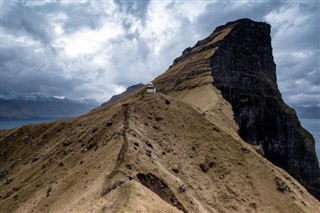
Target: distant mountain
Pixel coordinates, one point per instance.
(35, 106)
(308, 112)
(127, 92)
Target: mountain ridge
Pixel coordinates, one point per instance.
(178, 150)
(129, 90)
(237, 60)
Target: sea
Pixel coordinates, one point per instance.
(312, 125)
(7, 124)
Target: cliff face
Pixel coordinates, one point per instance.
(237, 59)
(244, 70)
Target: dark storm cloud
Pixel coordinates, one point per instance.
(97, 48)
(22, 74)
(19, 19)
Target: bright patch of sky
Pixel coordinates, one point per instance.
(95, 49)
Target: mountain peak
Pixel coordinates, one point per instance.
(236, 59)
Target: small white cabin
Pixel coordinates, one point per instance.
(150, 88)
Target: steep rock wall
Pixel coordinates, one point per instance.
(244, 70)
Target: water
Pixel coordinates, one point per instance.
(313, 126)
(17, 123)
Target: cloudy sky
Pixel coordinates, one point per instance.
(94, 49)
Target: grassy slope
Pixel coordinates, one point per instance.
(185, 138)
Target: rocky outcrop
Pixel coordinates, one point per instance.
(244, 70)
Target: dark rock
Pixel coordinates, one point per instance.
(90, 145)
(136, 143)
(244, 150)
(146, 123)
(212, 164)
(260, 151)
(215, 129)
(16, 189)
(167, 102)
(282, 186)
(158, 118)
(34, 159)
(175, 170)
(129, 166)
(60, 164)
(9, 180)
(204, 167)
(183, 188)
(3, 172)
(94, 129)
(66, 143)
(148, 153)
(125, 104)
(156, 127)
(109, 123)
(117, 183)
(26, 139)
(148, 144)
(49, 190)
(187, 51)
(253, 205)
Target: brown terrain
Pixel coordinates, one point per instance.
(174, 151)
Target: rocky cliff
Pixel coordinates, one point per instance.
(237, 59)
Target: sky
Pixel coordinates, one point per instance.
(95, 49)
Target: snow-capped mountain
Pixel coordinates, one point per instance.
(40, 106)
(43, 98)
